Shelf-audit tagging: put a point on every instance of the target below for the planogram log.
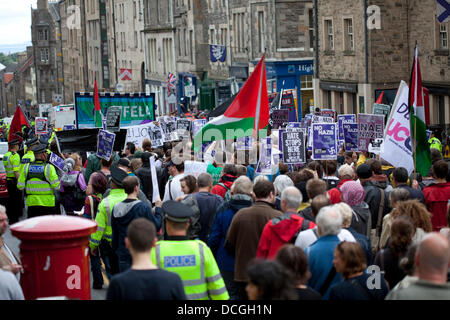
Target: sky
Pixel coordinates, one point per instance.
(15, 21)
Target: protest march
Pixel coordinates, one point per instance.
(256, 203)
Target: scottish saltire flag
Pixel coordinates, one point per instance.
(443, 10)
(217, 53)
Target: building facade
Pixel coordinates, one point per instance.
(367, 47)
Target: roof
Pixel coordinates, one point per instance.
(2, 67)
(26, 65)
(8, 77)
(12, 67)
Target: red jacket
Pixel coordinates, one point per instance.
(436, 199)
(226, 180)
(279, 231)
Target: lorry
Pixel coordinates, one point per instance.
(62, 115)
(44, 109)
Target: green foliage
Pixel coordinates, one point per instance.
(8, 59)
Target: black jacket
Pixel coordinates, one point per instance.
(372, 196)
(144, 174)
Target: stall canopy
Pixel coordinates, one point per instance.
(86, 140)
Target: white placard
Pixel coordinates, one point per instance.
(155, 195)
(194, 168)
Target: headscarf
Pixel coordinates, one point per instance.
(352, 193)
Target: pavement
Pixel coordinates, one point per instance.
(14, 245)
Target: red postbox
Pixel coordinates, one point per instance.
(55, 256)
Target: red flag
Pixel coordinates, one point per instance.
(97, 108)
(380, 98)
(18, 120)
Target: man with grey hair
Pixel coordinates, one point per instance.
(8, 260)
(321, 253)
(281, 182)
(241, 197)
(207, 204)
(432, 262)
(308, 237)
(283, 229)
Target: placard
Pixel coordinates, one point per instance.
(169, 128)
(194, 168)
(57, 161)
(41, 125)
(324, 141)
(184, 128)
(197, 125)
(375, 146)
(320, 119)
(350, 137)
(291, 126)
(244, 143)
(113, 116)
(69, 127)
(293, 149)
(265, 156)
(279, 117)
(105, 144)
(155, 196)
(370, 127)
(383, 109)
(155, 134)
(345, 118)
(328, 113)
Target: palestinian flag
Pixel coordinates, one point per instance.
(421, 148)
(249, 112)
(97, 108)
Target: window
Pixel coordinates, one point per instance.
(238, 32)
(311, 29)
(179, 41)
(44, 55)
(43, 96)
(157, 10)
(261, 31)
(140, 11)
(329, 41)
(348, 41)
(134, 9)
(185, 42)
(306, 82)
(211, 36)
(136, 39)
(441, 109)
(443, 36)
(223, 37)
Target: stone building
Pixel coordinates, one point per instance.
(160, 59)
(46, 50)
(360, 56)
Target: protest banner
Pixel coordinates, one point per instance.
(113, 118)
(184, 128)
(137, 108)
(265, 156)
(288, 102)
(320, 119)
(156, 196)
(279, 118)
(41, 125)
(293, 126)
(169, 128)
(350, 137)
(310, 138)
(345, 118)
(293, 143)
(155, 134)
(370, 127)
(324, 141)
(329, 113)
(397, 148)
(105, 144)
(244, 143)
(85, 140)
(137, 134)
(57, 161)
(383, 109)
(197, 125)
(195, 168)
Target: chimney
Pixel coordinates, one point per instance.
(42, 4)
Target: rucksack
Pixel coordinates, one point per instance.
(305, 226)
(108, 178)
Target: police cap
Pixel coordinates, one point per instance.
(31, 141)
(117, 175)
(176, 211)
(40, 148)
(14, 142)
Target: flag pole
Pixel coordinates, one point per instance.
(414, 143)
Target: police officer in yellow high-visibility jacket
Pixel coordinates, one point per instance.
(102, 238)
(11, 162)
(39, 179)
(192, 260)
(28, 157)
(435, 143)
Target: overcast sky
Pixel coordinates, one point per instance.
(15, 21)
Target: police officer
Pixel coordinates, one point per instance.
(192, 260)
(11, 162)
(435, 143)
(40, 181)
(28, 157)
(103, 236)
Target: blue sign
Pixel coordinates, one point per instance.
(69, 127)
(56, 161)
(197, 125)
(179, 261)
(345, 118)
(105, 144)
(350, 136)
(324, 141)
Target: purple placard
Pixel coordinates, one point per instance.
(105, 144)
(345, 118)
(324, 141)
(265, 156)
(244, 143)
(197, 125)
(279, 117)
(56, 161)
(350, 136)
(370, 127)
(293, 126)
(280, 140)
(69, 127)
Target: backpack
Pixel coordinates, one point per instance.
(228, 193)
(108, 178)
(305, 226)
(195, 226)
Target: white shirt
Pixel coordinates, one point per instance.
(308, 237)
(175, 188)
